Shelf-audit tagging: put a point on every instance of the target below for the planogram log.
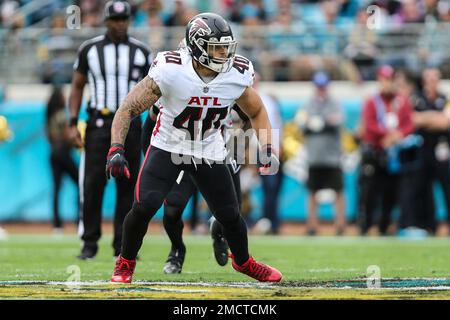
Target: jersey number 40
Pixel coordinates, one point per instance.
(241, 64)
(192, 116)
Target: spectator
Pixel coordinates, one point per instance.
(409, 13)
(7, 11)
(149, 14)
(348, 8)
(444, 10)
(319, 44)
(434, 152)
(413, 197)
(46, 9)
(181, 15)
(436, 10)
(5, 131)
(234, 7)
(57, 129)
(253, 9)
(282, 62)
(247, 9)
(321, 121)
(386, 120)
(252, 38)
(56, 50)
(330, 11)
(5, 134)
(361, 48)
(408, 84)
(91, 13)
(391, 7)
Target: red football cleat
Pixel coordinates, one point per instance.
(123, 271)
(257, 270)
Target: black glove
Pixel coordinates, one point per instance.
(116, 164)
(268, 161)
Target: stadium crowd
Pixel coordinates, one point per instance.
(287, 39)
(251, 12)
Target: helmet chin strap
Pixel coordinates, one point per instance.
(224, 67)
(198, 64)
(218, 67)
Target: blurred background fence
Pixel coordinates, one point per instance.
(348, 52)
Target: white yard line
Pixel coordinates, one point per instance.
(171, 285)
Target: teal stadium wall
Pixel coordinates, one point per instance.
(26, 184)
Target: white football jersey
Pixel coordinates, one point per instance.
(193, 113)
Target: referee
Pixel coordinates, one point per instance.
(111, 64)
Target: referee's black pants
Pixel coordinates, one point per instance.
(93, 180)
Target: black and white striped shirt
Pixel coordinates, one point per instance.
(113, 69)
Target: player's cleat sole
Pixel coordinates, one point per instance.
(258, 270)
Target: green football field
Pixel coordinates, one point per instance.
(45, 267)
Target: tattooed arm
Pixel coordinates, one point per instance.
(143, 95)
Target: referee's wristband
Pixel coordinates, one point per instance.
(73, 121)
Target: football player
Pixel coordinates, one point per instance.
(178, 197)
(196, 90)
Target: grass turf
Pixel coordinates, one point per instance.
(309, 267)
